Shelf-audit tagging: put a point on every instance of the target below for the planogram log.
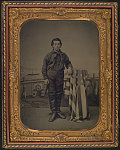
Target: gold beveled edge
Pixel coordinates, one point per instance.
(57, 3)
(3, 54)
(116, 54)
(116, 76)
(59, 145)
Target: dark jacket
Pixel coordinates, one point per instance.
(55, 61)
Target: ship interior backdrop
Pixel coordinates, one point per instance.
(80, 41)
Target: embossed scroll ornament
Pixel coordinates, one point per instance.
(104, 133)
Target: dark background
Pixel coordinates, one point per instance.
(119, 79)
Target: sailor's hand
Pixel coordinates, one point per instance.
(46, 81)
(69, 71)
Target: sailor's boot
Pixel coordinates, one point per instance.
(53, 110)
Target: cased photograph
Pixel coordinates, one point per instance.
(59, 74)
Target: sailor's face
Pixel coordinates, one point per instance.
(56, 45)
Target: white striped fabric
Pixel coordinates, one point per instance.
(77, 96)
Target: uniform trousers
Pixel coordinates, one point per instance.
(55, 89)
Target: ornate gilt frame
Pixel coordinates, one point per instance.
(105, 133)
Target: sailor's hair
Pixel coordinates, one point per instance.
(56, 39)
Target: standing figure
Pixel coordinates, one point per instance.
(53, 73)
